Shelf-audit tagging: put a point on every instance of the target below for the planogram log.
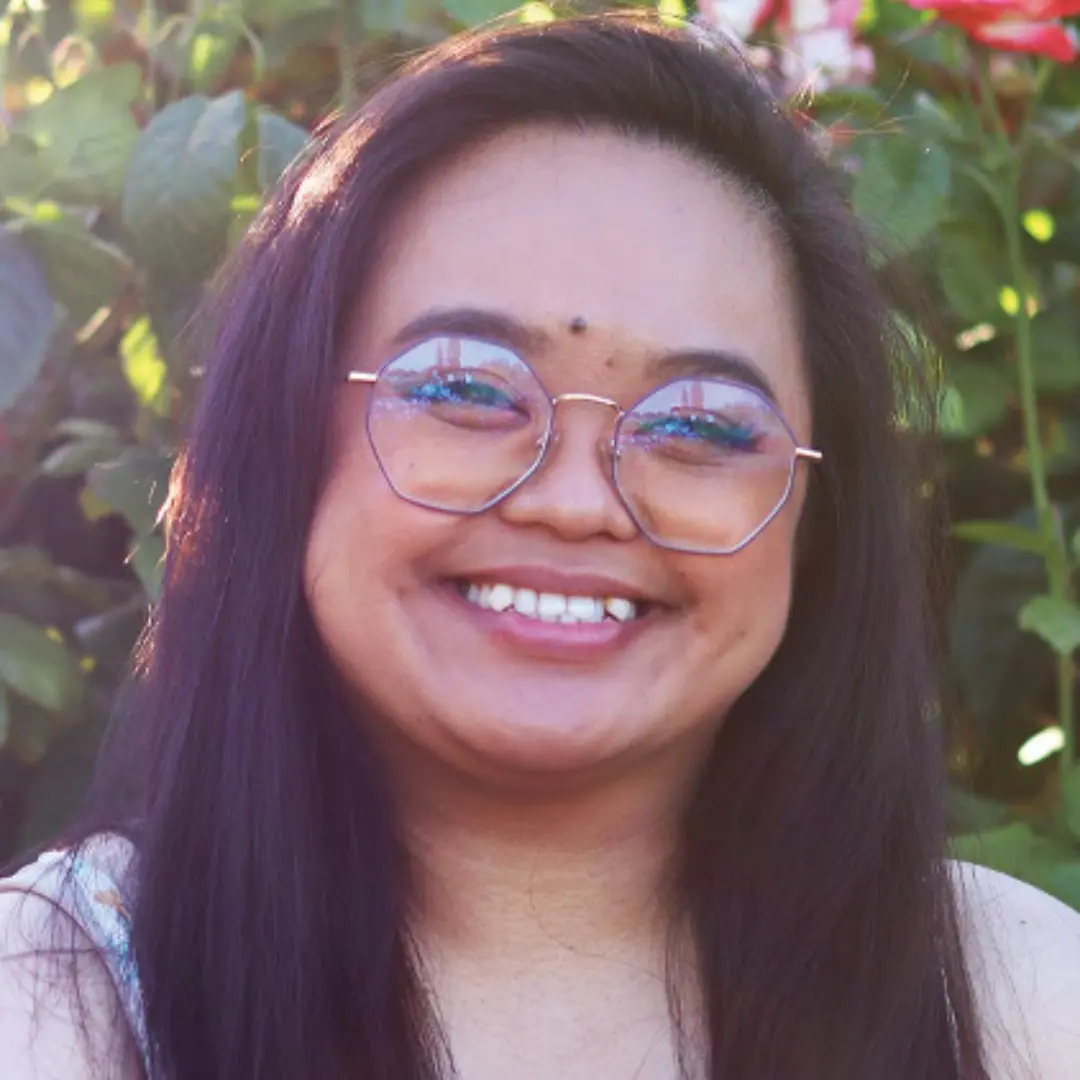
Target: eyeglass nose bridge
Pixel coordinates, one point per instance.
(552, 435)
(594, 399)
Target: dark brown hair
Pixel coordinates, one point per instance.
(270, 927)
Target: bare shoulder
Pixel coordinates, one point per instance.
(60, 1016)
(1023, 950)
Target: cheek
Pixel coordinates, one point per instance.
(745, 598)
(351, 546)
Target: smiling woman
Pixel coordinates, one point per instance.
(539, 686)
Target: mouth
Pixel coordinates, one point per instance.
(551, 616)
(551, 607)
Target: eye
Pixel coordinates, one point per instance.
(464, 387)
(468, 399)
(707, 434)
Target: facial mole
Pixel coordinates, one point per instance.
(578, 325)
(609, 363)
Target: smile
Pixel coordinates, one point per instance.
(548, 607)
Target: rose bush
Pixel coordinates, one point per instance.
(1032, 26)
(137, 142)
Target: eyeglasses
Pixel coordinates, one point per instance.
(702, 465)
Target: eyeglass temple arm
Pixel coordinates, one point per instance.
(362, 376)
(806, 452)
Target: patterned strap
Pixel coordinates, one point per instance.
(85, 884)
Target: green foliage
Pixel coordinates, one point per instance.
(26, 317)
(902, 186)
(134, 154)
(1055, 620)
(178, 193)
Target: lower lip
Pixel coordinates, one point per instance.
(561, 642)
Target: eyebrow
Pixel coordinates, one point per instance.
(531, 341)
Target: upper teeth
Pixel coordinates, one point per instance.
(551, 607)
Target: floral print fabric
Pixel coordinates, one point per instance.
(85, 883)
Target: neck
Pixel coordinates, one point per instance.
(516, 878)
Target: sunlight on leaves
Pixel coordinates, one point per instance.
(1039, 225)
(93, 13)
(144, 365)
(537, 13)
(672, 12)
(1040, 746)
(37, 91)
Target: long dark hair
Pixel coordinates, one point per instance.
(270, 926)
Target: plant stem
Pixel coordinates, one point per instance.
(347, 90)
(1055, 554)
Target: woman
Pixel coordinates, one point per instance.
(539, 680)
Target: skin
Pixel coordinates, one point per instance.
(546, 790)
(540, 796)
(572, 237)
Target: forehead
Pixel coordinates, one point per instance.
(651, 248)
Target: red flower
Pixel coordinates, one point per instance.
(1032, 26)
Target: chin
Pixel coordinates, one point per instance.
(541, 745)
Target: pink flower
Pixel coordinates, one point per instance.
(743, 18)
(1032, 26)
(817, 37)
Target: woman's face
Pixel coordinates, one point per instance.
(654, 254)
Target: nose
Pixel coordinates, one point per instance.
(573, 492)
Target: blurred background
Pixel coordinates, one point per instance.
(138, 140)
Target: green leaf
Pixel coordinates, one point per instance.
(171, 304)
(996, 668)
(37, 666)
(24, 168)
(1064, 883)
(1056, 621)
(84, 273)
(210, 51)
(144, 366)
(1006, 533)
(902, 187)
(1055, 342)
(80, 427)
(270, 13)
(180, 184)
(474, 12)
(146, 559)
(1071, 798)
(977, 396)
(78, 456)
(280, 142)
(85, 134)
(26, 318)
(5, 716)
(1008, 848)
(972, 268)
(969, 812)
(134, 486)
(932, 120)
(33, 730)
